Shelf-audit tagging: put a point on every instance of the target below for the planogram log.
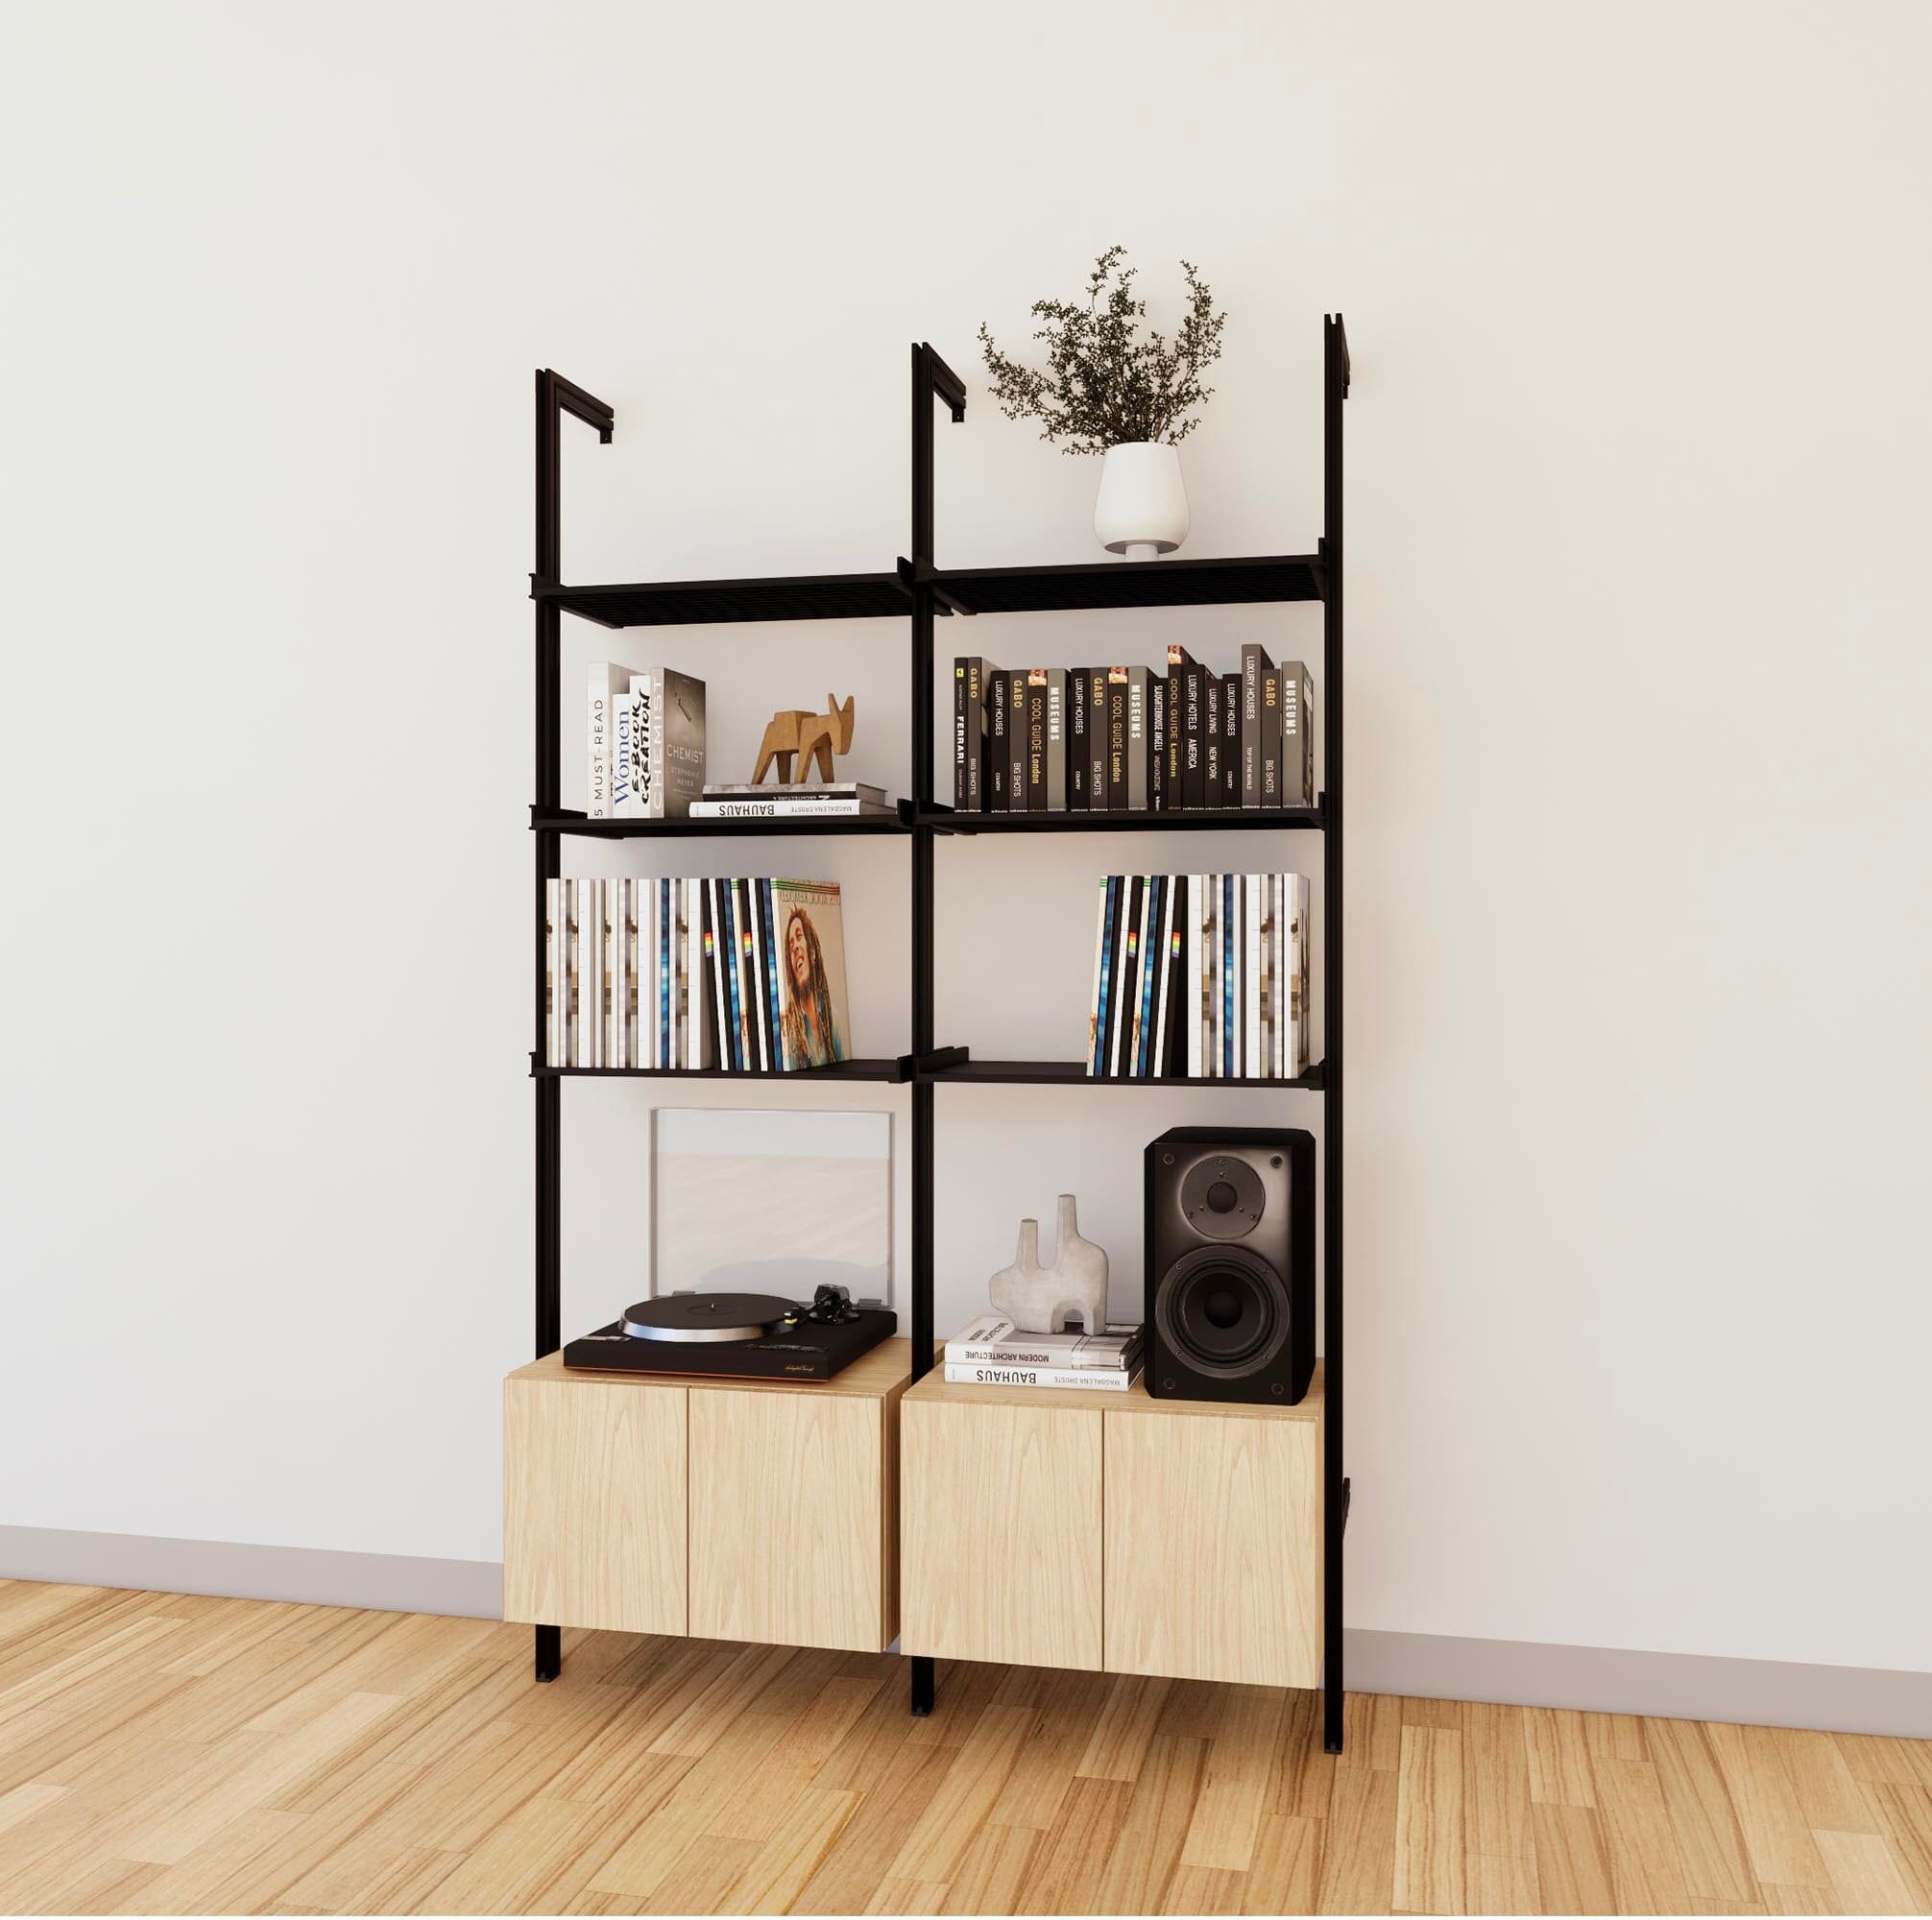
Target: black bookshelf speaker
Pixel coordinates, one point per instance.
(1230, 1247)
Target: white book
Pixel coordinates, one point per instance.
(610, 681)
(600, 935)
(1082, 1379)
(624, 935)
(775, 808)
(644, 990)
(1129, 942)
(657, 1016)
(580, 971)
(1164, 978)
(623, 754)
(552, 906)
(570, 966)
(634, 747)
(1299, 1021)
(1214, 972)
(758, 975)
(1284, 909)
(1251, 977)
(1193, 1005)
(1094, 998)
(714, 967)
(642, 895)
(607, 933)
(677, 1014)
(1273, 927)
(692, 984)
(991, 1339)
(566, 968)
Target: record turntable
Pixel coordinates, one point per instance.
(736, 1335)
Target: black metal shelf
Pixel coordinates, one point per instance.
(1073, 1073)
(682, 603)
(1123, 582)
(583, 828)
(1085, 585)
(895, 1073)
(1208, 820)
(920, 593)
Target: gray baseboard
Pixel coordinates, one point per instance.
(1436, 1667)
(390, 1582)
(1623, 1680)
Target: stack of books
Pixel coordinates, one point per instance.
(1132, 739)
(741, 975)
(802, 799)
(647, 742)
(990, 1352)
(1200, 976)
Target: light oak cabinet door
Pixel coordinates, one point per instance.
(1214, 1548)
(792, 1510)
(1001, 1540)
(593, 1504)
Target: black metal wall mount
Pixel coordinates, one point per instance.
(920, 589)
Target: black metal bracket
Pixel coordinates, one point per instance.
(941, 1060)
(920, 573)
(1341, 333)
(581, 405)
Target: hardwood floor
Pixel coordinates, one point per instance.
(161, 1754)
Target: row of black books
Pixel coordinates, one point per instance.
(664, 975)
(1134, 740)
(1200, 976)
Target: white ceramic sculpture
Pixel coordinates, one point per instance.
(1042, 1299)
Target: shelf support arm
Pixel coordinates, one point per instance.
(1335, 1491)
(556, 397)
(932, 380)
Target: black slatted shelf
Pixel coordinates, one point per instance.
(681, 603)
(1123, 583)
(715, 830)
(1073, 1073)
(1208, 820)
(894, 1071)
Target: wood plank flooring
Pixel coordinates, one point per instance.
(162, 1754)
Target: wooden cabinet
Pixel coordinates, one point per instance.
(1002, 1531)
(734, 1510)
(792, 1516)
(1113, 1532)
(594, 1503)
(1214, 1545)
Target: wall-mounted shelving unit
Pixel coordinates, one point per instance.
(921, 592)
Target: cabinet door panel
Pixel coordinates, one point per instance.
(1001, 1537)
(593, 1504)
(787, 1541)
(1214, 1548)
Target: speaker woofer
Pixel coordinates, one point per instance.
(1223, 1312)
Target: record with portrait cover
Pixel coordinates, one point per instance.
(814, 1018)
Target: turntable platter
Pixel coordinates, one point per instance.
(709, 1316)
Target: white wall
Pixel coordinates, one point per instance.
(1638, 625)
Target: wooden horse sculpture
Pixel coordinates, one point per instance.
(805, 737)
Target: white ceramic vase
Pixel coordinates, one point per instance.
(1142, 511)
(1042, 1299)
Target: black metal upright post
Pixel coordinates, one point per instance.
(931, 380)
(1335, 1488)
(555, 397)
